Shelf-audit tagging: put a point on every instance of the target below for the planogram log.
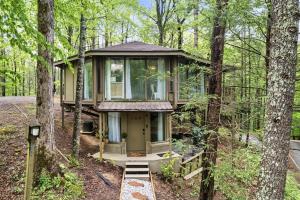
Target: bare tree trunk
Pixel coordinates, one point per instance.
(268, 44)
(70, 34)
(23, 84)
(3, 87)
(15, 76)
(44, 98)
(180, 38)
(196, 30)
(29, 82)
(281, 89)
(214, 104)
(106, 37)
(79, 85)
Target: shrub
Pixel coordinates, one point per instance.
(167, 169)
(66, 187)
(197, 135)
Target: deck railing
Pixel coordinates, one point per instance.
(190, 165)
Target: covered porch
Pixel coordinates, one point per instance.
(134, 127)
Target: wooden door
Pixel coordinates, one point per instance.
(136, 131)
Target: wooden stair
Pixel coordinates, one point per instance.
(137, 170)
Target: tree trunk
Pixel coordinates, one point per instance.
(268, 44)
(214, 88)
(180, 38)
(23, 84)
(79, 85)
(281, 89)
(70, 34)
(29, 83)
(196, 30)
(44, 98)
(15, 76)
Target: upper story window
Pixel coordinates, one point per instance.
(156, 81)
(88, 80)
(114, 79)
(191, 80)
(135, 79)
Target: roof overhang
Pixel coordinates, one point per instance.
(156, 106)
(136, 53)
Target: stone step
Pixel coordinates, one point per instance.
(137, 165)
(138, 176)
(137, 170)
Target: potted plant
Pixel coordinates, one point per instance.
(124, 136)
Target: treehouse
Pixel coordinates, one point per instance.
(132, 88)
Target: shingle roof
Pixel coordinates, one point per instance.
(135, 46)
(135, 106)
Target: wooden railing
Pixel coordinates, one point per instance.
(191, 165)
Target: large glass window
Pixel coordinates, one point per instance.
(114, 127)
(88, 81)
(157, 127)
(135, 79)
(156, 85)
(114, 79)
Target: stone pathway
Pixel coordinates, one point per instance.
(137, 189)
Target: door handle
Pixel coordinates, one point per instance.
(143, 131)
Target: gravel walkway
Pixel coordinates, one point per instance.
(129, 191)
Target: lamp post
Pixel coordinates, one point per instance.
(33, 134)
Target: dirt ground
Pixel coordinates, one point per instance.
(17, 112)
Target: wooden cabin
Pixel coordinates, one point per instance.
(132, 88)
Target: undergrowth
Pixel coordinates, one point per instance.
(61, 187)
(236, 174)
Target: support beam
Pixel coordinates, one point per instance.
(170, 132)
(100, 130)
(61, 99)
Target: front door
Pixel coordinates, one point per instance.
(136, 131)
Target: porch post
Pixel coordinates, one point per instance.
(61, 99)
(100, 137)
(170, 133)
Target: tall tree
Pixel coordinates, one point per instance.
(182, 11)
(164, 10)
(79, 86)
(268, 40)
(213, 113)
(196, 29)
(281, 89)
(44, 96)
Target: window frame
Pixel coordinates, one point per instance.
(125, 58)
(83, 80)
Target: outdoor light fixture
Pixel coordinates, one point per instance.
(34, 129)
(33, 134)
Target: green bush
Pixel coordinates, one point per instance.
(167, 169)
(66, 187)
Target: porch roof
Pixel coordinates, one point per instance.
(164, 106)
